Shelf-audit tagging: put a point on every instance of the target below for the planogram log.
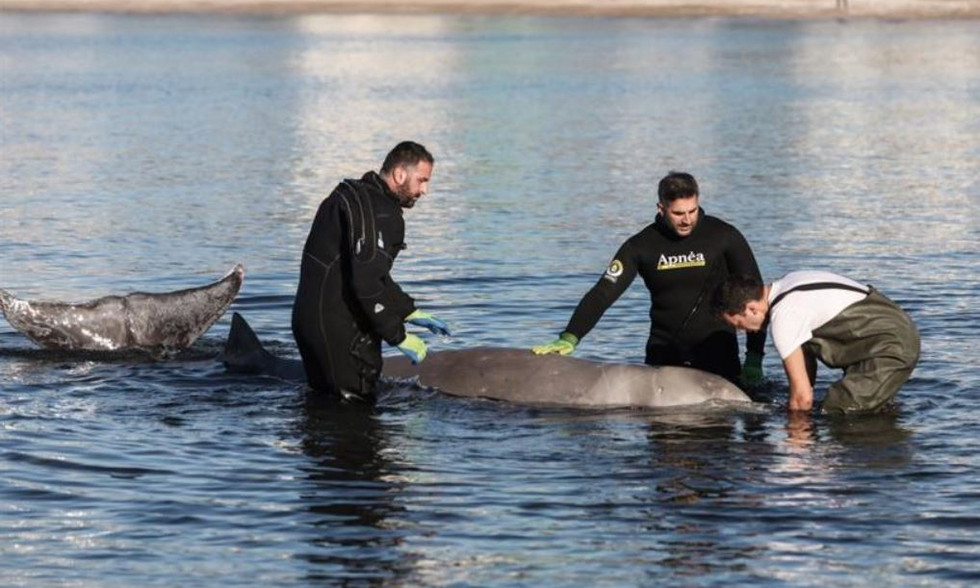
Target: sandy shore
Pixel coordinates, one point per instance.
(893, 9)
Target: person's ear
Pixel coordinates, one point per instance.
(399, 174)
(754, 307)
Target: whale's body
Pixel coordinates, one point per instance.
(515, 375)
(519, 376)
(164, 321)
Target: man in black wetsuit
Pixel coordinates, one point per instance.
(347, 302)
(682, 256)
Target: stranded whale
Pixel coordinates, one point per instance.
(514, 375)
(168, 321)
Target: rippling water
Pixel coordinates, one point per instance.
(153, 153)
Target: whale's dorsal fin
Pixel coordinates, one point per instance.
(244, 353)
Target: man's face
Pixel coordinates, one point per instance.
(681, 214)
(411, 182)
(750, 319)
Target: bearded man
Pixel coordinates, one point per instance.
(681, 256)
(347, 301)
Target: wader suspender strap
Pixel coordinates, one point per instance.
(817, 286)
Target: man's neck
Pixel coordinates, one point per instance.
(389, 181)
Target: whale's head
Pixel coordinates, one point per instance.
(677, 386)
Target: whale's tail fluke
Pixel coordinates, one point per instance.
(244, 354)
(160, 323)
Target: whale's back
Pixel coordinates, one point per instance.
(519, 376)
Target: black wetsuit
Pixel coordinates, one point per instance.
(680, 273)
(347, 302)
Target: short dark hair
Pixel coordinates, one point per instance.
(406, 153)
(734, 293)
(677, 185)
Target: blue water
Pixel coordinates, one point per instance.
(154, 153)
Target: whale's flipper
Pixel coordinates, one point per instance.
(244, 354)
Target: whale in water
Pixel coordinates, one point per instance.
(514, 375)
(168, 321)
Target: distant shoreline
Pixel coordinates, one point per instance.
(775, 9)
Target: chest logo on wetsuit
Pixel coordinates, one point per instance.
(379, 308)
(381, 240)
(614, 270)
(672, 262)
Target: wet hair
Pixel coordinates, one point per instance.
(677, 185)
(734, 293)
(407, 154)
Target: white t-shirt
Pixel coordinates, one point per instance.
(799, 313)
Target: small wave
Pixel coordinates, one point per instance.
(61, 464)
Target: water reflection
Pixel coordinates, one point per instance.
(702, 463)
(767, 474)
(352, 497)
(696, 455)
(143, 151)
(879, 441)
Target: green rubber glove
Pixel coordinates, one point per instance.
(424, 319)
(563, 345)
(752, 369)
(413, 347)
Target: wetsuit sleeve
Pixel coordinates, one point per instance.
(740, 260)
(399, 302)
(619, 275)
(379, 296)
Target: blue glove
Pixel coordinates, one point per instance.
(563, 345)
(424, 319)
(752, 369)
(413, 347)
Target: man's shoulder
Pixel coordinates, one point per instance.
(718, 224)
(641, 239)
(369, 181)
(356, 187)
(649, 231)
(721, 231)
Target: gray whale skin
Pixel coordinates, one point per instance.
(515, 375)
(167, 321)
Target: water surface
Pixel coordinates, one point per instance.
(153, 153)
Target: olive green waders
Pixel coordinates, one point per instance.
(876, 344)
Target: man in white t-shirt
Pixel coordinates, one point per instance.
(820, 315)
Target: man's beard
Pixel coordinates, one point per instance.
(676, 228)
(405, 197)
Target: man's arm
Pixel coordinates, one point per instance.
(740, 260)
(617, 278)
(372, 286)
(800, 382)
(383, 301)
(399, 302)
